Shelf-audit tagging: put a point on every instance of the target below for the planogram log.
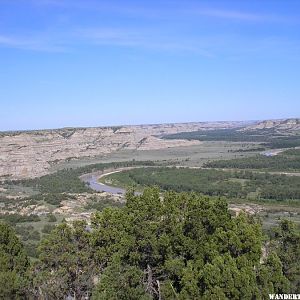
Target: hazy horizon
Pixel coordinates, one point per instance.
(147, 124)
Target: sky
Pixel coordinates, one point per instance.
(67, 63)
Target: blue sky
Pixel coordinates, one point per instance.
(93, 63)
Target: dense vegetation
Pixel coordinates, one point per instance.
(284, 142)
(265, 136)
(183, 246)
(103, 203)
(245, 150)
(68, 181)
(51, 190)
(286, 161)
(13, 265)
(17, 218)
(286, 243)
(230, 135)
(235, 184)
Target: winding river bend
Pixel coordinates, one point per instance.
(92, 179)
(93, 183)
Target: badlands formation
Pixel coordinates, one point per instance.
(27, 154)
(284, 126)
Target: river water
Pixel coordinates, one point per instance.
(92, 181)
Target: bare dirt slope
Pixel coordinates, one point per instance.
(279, 126)
(31, 153)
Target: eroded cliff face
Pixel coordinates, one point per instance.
(31, 153)
(281, 126)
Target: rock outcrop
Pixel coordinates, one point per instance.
(282, 125)
(31, 153)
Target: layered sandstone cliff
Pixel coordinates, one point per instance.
(281, 126)
(31, 153)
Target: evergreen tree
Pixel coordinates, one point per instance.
(65, 266)
(287, 245)
(181, 246)
(13, 265)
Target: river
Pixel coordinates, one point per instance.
(92, 179)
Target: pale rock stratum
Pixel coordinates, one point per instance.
(26, 154)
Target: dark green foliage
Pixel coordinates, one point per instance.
(51, 218)
(121, 282)
(293, 152)
(231, 135)
(52, 186)
(34, 235)
(248, 150)
(175, 246)
(13, 219)
(13, 264)
(65, 266)
(286, 161)
(181, 247)
(284, 142)
(24, 231)
(103, 203)
(59, 182)
(48, 228)
(31, 250)
(266, 136)
(287, 245)
(54, 199)
(232, 184)
(271, 278)
(209, 182)
(50, 198)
